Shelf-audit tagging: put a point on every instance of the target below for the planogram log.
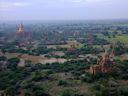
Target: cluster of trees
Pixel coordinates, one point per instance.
(10, 63)
(94, 40)
(120, 48)
(37, 51)
(14, 78)
(105, 88)
(86, 49)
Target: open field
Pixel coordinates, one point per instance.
(55, 46)
(35, 59)
(69, 43)
(121, 38)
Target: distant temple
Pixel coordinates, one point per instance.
(23, 37)
(21, 29)
(104, 64)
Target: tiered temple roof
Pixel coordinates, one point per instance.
(104, 64)
(21, 29)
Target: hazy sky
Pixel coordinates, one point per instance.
(63, 9)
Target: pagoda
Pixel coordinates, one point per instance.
(22, 36)
(21, 29)
(104, 64)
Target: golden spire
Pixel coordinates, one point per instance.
(21, 29)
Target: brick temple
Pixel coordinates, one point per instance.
(104, 64)
(22, 36)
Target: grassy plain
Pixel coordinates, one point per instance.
(120, 38)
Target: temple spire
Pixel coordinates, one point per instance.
(21, 29)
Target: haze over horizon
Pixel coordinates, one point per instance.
(63, 9)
